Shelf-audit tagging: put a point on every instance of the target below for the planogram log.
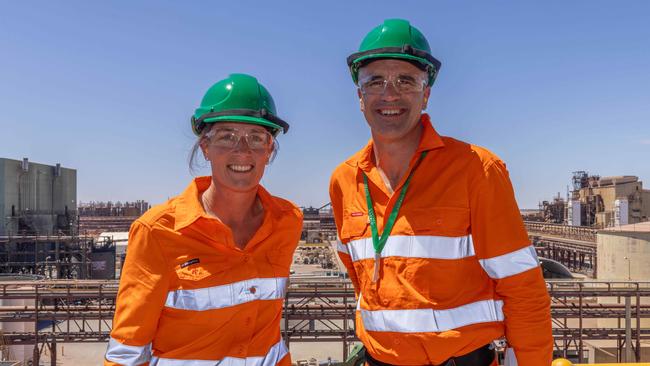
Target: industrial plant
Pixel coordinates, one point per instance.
(599, 202)
(60, 263)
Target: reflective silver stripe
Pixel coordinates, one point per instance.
(127, 355)
(341, 247)
(236, 293)
(511, 263)
(510, 357)
(434, 247)
(273, 356)
(429, 320)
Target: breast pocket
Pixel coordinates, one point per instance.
(440, 221)
(197, 269)
(195, 272)
(355, 224)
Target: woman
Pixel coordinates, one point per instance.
(206, 273)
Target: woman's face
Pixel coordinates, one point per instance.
(238, 154)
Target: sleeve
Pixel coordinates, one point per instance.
(336, 198)
(504, 251)
(140, 299)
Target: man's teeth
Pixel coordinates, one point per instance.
(389, 112)
(240, 168)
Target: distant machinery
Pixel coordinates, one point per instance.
(109, 208)
(322, 255)
(554, 211)
(598, 202)
(607, 201)
(318, 224)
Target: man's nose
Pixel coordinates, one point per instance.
(390, 91)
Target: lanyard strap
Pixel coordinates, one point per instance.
(379, 242)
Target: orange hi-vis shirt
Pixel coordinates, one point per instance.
(457, 271)
(188, 295)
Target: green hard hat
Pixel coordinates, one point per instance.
(238, 98)
(395, 38)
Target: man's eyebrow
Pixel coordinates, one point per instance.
(374, 77)
(407, 77)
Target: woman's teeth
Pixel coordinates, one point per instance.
(240, 168)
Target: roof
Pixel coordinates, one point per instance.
(641, 227)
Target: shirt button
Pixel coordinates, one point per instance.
(248, 320)
(247, 258)
(439, 221)
(396, 340)
(252, 290)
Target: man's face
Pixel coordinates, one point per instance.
(392, 94)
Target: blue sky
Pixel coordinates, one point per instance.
(108, 87)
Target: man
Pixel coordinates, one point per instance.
(429, 228)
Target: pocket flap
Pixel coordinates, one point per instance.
(441, 221)
(355, 224)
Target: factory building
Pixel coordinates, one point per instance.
(607, 201)
(39, 228)
(36, 198)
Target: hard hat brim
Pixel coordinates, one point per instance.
(243, 116)
(357, 60)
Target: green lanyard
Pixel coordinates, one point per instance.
(380, 242)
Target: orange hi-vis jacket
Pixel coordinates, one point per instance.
(188, 295)
(457, 271)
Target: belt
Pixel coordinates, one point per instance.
(479, 357)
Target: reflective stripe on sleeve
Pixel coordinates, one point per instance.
(236, 293)
(127, 355)
(429, 320)
(272, 357)
(510, 264)
(434, 247)
(341, 247)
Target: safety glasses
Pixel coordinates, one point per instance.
(404, 84)
(229, 138)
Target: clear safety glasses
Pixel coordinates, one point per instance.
(404, 84)
(229, 138)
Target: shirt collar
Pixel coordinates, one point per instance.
(430, 140)
(189, 207)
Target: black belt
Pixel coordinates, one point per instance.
(479, 357)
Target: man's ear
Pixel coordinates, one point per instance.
(427, 93)
(361, 104)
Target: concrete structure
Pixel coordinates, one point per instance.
(624, 252)
(36, 198)
(606, 200)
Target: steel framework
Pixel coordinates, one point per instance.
(323, 311)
